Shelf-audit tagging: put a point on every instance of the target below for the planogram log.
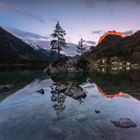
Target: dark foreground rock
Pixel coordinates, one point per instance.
(124, 123)
(70, 90)
(69, 66)
(5, 87)
(41, 91)
(75, 92)
(97, 111)
(61, 87)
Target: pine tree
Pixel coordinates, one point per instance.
(81, 49)
(81, 46)
(58, 41)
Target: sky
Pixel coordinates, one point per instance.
(89, 19)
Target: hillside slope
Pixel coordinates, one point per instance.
(15, 50)
(125, 48)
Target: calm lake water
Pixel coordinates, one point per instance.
(28, 115)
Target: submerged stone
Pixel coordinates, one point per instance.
(61, 88)
(124, 123)
(80, 117)
(55, 133)
(41, 91)
(75, 92)
(71, 90)
(97, 111)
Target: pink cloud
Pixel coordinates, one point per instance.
(13, 8)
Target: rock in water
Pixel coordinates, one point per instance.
(41, 91)
(97, 111)
(63, 66)
(75, 92)
(71, 90)
(124, 123)
(61, 88)
(80, 118)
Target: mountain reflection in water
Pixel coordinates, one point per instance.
(26, 114)
(109, 83)
(111, 95)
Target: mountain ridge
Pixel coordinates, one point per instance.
(15, 50)
(125, 48)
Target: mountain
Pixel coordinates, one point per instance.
(111, 33)
(117, 45)
(71, 50)
(15, 50)
(36, 40)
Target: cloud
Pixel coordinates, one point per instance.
(137, 1)
(13, 8)
(97, 32)
(89, 3)
(130, 32)
(53, 19)
(91, 42)
(26, 34)
(43, 44)
(111, 12)
(92, 3)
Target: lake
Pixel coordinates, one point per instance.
(28, 115)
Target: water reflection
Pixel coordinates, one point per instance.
(111, 95)
(13, 80)
(109, 82)
(58, 99)
(29, 115)
(59, 93)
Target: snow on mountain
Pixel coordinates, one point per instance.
(31, 44)
(71, 50)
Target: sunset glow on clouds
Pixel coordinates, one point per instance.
(80, 18)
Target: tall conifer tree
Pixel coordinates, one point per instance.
(58, 41)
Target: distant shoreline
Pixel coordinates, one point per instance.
(25, 66)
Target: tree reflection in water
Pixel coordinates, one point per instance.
(59, 93)
(81, 100)
(58, 99)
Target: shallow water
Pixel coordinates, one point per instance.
(28, 115)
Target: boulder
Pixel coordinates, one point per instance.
(65, 67)
(75, 92)
(71, 90)
(61, 87)
(124, 123)
(97, 111)
(5, 87)
(41, 91)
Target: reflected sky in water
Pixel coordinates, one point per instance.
(26, 114)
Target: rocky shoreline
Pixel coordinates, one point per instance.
(62, 67)
(68, 66)
(77, 67)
